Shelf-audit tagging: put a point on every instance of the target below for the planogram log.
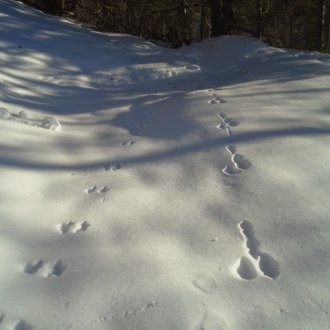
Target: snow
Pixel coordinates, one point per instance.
(149, 188)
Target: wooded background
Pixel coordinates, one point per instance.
(300, 24)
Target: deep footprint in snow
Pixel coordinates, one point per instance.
(226, 123)
(65, 227)
(246, 269)
(231, 149)
(33, 267)
(55, 268)
(222, 126)
(74, 227)
(229, 170)
(267, 264)
(237, 162)
(240, 162)
(80, 226)
(230, 122)
(251, 242)
(205, 283)
(221, 115)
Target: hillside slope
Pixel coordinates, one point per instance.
(150, 188)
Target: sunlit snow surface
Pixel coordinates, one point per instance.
(149, 188)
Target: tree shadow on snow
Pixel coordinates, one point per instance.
(162, 114)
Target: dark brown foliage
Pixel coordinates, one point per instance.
(302, 24)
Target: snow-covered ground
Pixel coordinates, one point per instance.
(149, 188)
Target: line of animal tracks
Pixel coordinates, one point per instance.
(254, 262)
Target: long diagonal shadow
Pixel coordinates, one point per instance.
(173, 153)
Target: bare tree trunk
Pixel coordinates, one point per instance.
(258, 19)
(216, 17)
(202, 21)
(319, 24)
(326, 26)
(228, 16)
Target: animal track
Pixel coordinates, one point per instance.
(205, 283)
(240, 162)
(229, 170)
(222, 115)
(231, 149)
(90, 190)
(33, 267)
(251, 242)
(226, 123)
(22, 325)
(50, 123)
(216, 99)
(127, 143)
(101, 190)
(12, 324)
(267, 264)
(246, 269)
(74, 227)
(112, 167)
(47, 122)
(237, 162)
(55, 268)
